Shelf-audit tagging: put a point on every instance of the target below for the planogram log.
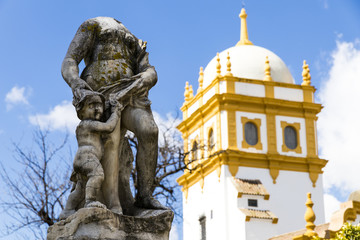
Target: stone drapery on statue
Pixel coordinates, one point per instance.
(111, 97)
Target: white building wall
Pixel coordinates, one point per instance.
(202, 203)
(250, 89)
(302, 135)
(240, 135)
(287, 197)
(222, 86)
(193, 108)
(208, 94)
(290, 94)
(260, 229)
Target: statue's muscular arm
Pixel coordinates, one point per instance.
(78, 50)
(107, 126)
(146, 73)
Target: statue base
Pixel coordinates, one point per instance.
(98, 223)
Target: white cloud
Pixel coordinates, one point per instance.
(338, 124)
(331, 204)
(61, 117)
(174, 235)
(167, 128)
(17, 95)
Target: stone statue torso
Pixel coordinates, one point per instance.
(112, 54)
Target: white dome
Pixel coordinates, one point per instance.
(248, 61)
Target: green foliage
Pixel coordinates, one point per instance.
(349, 232)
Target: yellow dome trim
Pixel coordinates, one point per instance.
(201, 79)
(228, 65)
(218, 65)
(187, 93)
(244, 38)
(267, 70)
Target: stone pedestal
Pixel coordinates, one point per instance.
(98, 223)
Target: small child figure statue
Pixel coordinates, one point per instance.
(88, 173)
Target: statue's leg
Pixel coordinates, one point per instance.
(141, 122)
(73, 200)
(95, 178)
(110, 163)
(126, 159)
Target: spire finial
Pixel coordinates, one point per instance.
(244, 38)
(218, 65)
(228, 65)
(201, 79)
(267, 70)
(186, 93)
(310, 217)
(191, 92)
(306, 75)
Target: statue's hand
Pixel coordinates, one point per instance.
(146, 80)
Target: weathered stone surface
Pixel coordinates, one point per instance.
(98, 223)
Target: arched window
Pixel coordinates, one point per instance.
(290, 136)
(194, 150)
(211, 140)
(251, 133)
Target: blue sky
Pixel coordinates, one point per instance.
(181, 36)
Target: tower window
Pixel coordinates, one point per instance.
(251, 133)
(211, 141)
(252, 202)
(202, 221)
(194, 150)
(290, 136)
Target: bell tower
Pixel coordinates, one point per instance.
(250, 132)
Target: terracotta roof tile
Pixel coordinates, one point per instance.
(320, 230)
(261, 214)
(250, 187)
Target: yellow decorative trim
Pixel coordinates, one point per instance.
(218, 171)
(274, 170)
(269, 91)
(186, 193)
(187, 93)
(218, 65)
(310, 217)
(201, 79)
(257, 122)
(228, 65)
(306, 75)
(191, 92)
(232, 138)
(244, 38)
(271, 131)
(296, 126)
(218, 131)
(310, 135)
(267, 70)
(235, 159)
(233, 169)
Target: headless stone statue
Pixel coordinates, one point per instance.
(111, 97)
(117, 67)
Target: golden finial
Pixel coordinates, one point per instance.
(267, 70)
(191, 92)
(244, 38)
(306, 75)
(310, 217)
(218, 65)
(186, 93)
(201, 79)
(228, 65)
